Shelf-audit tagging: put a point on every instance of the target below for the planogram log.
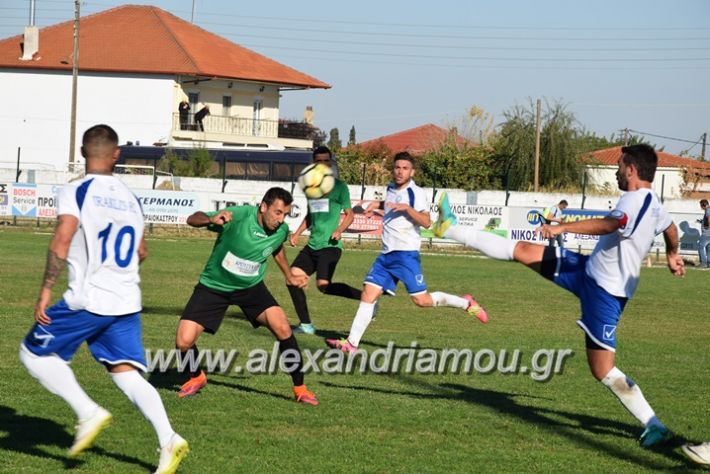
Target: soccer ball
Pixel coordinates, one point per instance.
(316, 180)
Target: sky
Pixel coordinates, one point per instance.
(397, 64)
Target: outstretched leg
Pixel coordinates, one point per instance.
(600, 310)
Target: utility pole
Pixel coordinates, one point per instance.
(626, 137)
(74, 76)
(537, 147)
(702, 151)
(192, 17)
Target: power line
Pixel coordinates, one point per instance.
(479, 58)
(456, 37)
(440, 25)
(664, 137)
(457, 46)
(561, 68)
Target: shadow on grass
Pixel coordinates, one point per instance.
(330, 334)
(170, 379)
(571, 426)
(26, 434)
(244, 388)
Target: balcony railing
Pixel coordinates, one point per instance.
(237, 126)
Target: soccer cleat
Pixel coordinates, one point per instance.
(87, 431)
(654, 434)
(699, 453)
(446, 217)
(303, 395)
(304, 328)
(172, 455)
(476, 309)
(192, 386)
(341, 344)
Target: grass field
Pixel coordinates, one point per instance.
(375, 422)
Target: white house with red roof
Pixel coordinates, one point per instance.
(675, 175)
(136, 64)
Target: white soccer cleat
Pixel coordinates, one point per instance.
(699, 453)
(87, 431)
(172, 455)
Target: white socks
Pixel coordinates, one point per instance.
(630, 395)
(360, 323)
(56, 376)
(490, 244)
(445, 299)
(146, 398)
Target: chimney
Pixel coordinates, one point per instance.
(30, 44)
(308, 115)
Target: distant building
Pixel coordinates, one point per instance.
(675, 176)
(416, 141)
(136, 64)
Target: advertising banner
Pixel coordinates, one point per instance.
(368, 218)
(47, 201)
(168, 207)
(5, 199)
(23, 199)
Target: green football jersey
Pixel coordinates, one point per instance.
(238, 259)
(324, 216)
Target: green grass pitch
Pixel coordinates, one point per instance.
(375, 422)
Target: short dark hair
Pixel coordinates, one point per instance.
(100, 135)
(322, 149)
(404, 155)
(277, 193)
(703, 202)
(643, 157)
(564, 201)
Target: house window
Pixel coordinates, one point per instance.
(226, 105)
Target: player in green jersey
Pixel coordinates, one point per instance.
(325, 246)
(234, 275)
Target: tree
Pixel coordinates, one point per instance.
(560, 147)
(334, 142)
(375, 159)
(476, 125)
(351, 138)
(457, 164)
(198, 163)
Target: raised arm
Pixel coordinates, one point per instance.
(421, 218)
(607, 225)
(200, 219)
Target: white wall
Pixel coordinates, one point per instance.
(671, 179)
(37, 111)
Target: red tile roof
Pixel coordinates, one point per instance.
(146, 39)
(416, 140)
(610, 156)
